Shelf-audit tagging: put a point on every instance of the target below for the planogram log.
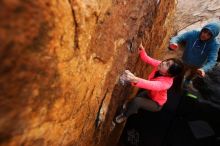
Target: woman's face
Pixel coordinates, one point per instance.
(164, 66)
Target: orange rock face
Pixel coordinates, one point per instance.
(60, 63)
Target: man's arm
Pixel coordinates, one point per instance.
(212, 57)
(178, 39)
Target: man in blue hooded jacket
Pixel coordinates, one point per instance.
(200, 49)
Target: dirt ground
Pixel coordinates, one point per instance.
(195, 13)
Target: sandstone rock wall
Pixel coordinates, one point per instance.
(60, 63)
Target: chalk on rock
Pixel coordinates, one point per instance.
(123, 79)
(158, 1)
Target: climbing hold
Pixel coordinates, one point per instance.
(112, 126)
(100, 117)
(158, 1)
(130, 45)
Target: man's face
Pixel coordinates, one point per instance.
(205, 35)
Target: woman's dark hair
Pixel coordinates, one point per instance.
(176, 68)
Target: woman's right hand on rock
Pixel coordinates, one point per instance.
(130, 76)
(141, 47)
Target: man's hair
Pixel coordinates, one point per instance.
(207, 30)
(176, 68)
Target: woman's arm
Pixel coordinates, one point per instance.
(146, 58)
(152, 85)
(146, 84)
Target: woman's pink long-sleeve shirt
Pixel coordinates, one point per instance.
(158, 86)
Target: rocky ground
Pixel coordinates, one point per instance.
(194, 14)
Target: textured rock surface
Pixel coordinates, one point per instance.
(60, 63)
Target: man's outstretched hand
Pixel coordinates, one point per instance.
(200, 72)
(173, 46)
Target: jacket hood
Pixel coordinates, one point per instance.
(214, 28)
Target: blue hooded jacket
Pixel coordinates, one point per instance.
(202, 54)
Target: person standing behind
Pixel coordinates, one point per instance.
(200, 49)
